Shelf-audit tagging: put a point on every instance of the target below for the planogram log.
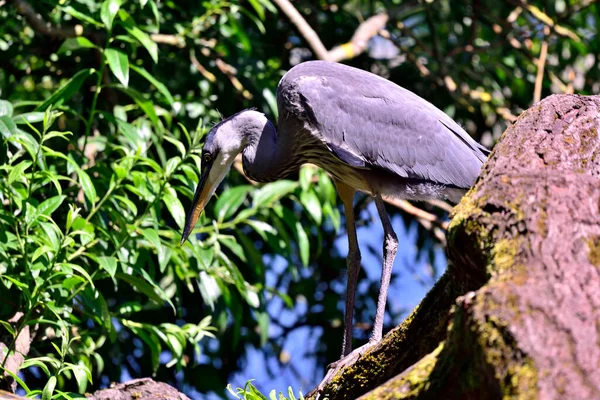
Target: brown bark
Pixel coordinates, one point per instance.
(524, 246)
(145, 389)
(13, 352)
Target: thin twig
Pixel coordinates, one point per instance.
(416, 211)
(230, 72)
(545, 19)
(541, 64)
(172, 40)
(205, 73)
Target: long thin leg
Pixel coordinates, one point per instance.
(352, 261)
(390, 245)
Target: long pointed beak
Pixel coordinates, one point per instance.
(203, 192)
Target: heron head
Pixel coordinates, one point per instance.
(223, 143)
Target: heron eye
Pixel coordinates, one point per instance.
(207, 158)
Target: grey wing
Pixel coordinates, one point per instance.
(370, 122)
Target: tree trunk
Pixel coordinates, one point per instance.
(517, 313)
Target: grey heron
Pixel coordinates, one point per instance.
(368, 133)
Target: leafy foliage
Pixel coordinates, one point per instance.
(89, 246)
(250, 392)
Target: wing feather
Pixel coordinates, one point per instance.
(370, 122)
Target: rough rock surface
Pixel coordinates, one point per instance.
(517, 313)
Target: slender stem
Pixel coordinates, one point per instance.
(88, 125)
(82, 249)
(98, 205)
(80, 288)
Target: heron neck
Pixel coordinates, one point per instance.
(265, 159)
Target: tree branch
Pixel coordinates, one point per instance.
(35, 20)
(41, 26)
(541, 64)
(356, 46)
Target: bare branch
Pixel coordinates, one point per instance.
(45, 28)
(356, 46)
(206, 73)
(541, 64)
(172, 40)
(230, 72)
(416, 211)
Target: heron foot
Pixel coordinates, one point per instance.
(336, 366)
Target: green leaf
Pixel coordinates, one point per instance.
(128, 203)
(176, 143)
(155, 12)
(263, 324)
(28, 142)
(271, 101)
(49, 388)
(172, 165)
(155, 82)
(141, 285)
(154, 345)
(40, 362)
(30, 117)
(234, 246)
(108, 11)
(260, 10)
(78, 269)
(174, 205)
(119, 64)
(152, 236)
(142, 37)
(109, 264)
(272, 192)
(76, 43)
(50, 205)
(17, 379)
(8, 127)
(6, 108)
(262, 228)
(89, 191)
(8, 328)
(67, 90)
(253, 254)
(18, 170)
(17, 283)
(53, 134)
(103, 306)
(229, 202)
(205, 256)
(303, 244)
(145, 104)
(311, 203)
(209, 289)
(306, 174)
(81, 16)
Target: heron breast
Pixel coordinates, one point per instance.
(343, 172)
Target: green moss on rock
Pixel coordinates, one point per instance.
(594, 250)
(409, 384)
